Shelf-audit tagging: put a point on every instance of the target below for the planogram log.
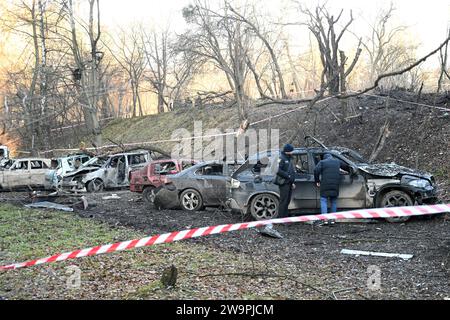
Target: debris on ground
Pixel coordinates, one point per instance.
(269, 231)
(111, 197)
(377, 254)
(49, 205)
(62, 198)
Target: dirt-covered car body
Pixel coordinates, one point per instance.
(26, 173)
(202, 185)
(362, 186)
(102, 172)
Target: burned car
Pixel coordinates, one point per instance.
(155, 174)
(102, 172)
(202, 185)
(25, 173)
(363, 186)
(71, 163)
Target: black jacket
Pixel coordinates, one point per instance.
(286, 168)
(328, 170)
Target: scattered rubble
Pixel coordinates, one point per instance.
(49, 205)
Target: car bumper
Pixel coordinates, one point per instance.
(235, 206)
(426, 196)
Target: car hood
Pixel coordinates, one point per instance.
(392, 170)
(81, 171)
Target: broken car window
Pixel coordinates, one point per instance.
(166, 168)
(211, 170)
(38, 164)
(301, 163)
(21, 165)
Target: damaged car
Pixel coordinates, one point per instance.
(70, 163)
(26, 173)
(202, 185)
(365, 185)
(106, 172)
(155, 174)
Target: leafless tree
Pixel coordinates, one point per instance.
(323, 26)
(128, 52)
(224, 41)
(386, 48)
(87, 66)
(444, 73)
(157, 51)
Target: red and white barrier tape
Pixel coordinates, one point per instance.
(199, 232)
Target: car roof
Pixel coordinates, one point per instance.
(173, 160)
(31, 159)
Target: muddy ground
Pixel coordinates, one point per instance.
(311, 254)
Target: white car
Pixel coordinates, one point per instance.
(106, 172)
(71, 163)
(26, 173)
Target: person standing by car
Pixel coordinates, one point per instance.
(327, 177)
(285, 179)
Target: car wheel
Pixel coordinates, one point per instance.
(396, 198)
(149, 194)
(191, 200)
(95, 185)
(264, 206)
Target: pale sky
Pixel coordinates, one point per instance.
(428, 19)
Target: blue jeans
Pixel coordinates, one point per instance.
(324, 204)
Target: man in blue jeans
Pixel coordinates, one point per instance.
(327, 177)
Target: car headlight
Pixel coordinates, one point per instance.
(234, 184)
(420, 183)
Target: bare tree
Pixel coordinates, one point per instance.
(87, 71)
(224, 41)
(255, 26)
(443, 55)
(157, 51)
(386, 47)
(323, 26)
(133, 61)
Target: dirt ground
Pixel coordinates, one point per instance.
(309, 256)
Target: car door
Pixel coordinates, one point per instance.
(38, 170)
(352, 188)
(212, 183)
(111, 172)
(304, 196)
(18, 175)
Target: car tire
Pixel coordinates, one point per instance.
(191, 200)
(95, 185)
(148, 194)
(264, 206)
(396, 198)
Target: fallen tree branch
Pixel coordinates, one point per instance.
(395, 73)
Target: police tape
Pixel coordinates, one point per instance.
(391, 212)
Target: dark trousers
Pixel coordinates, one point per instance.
(285, 198)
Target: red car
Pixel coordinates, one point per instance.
(154, 175)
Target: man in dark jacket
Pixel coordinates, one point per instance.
(286, 171)
(327, 177)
